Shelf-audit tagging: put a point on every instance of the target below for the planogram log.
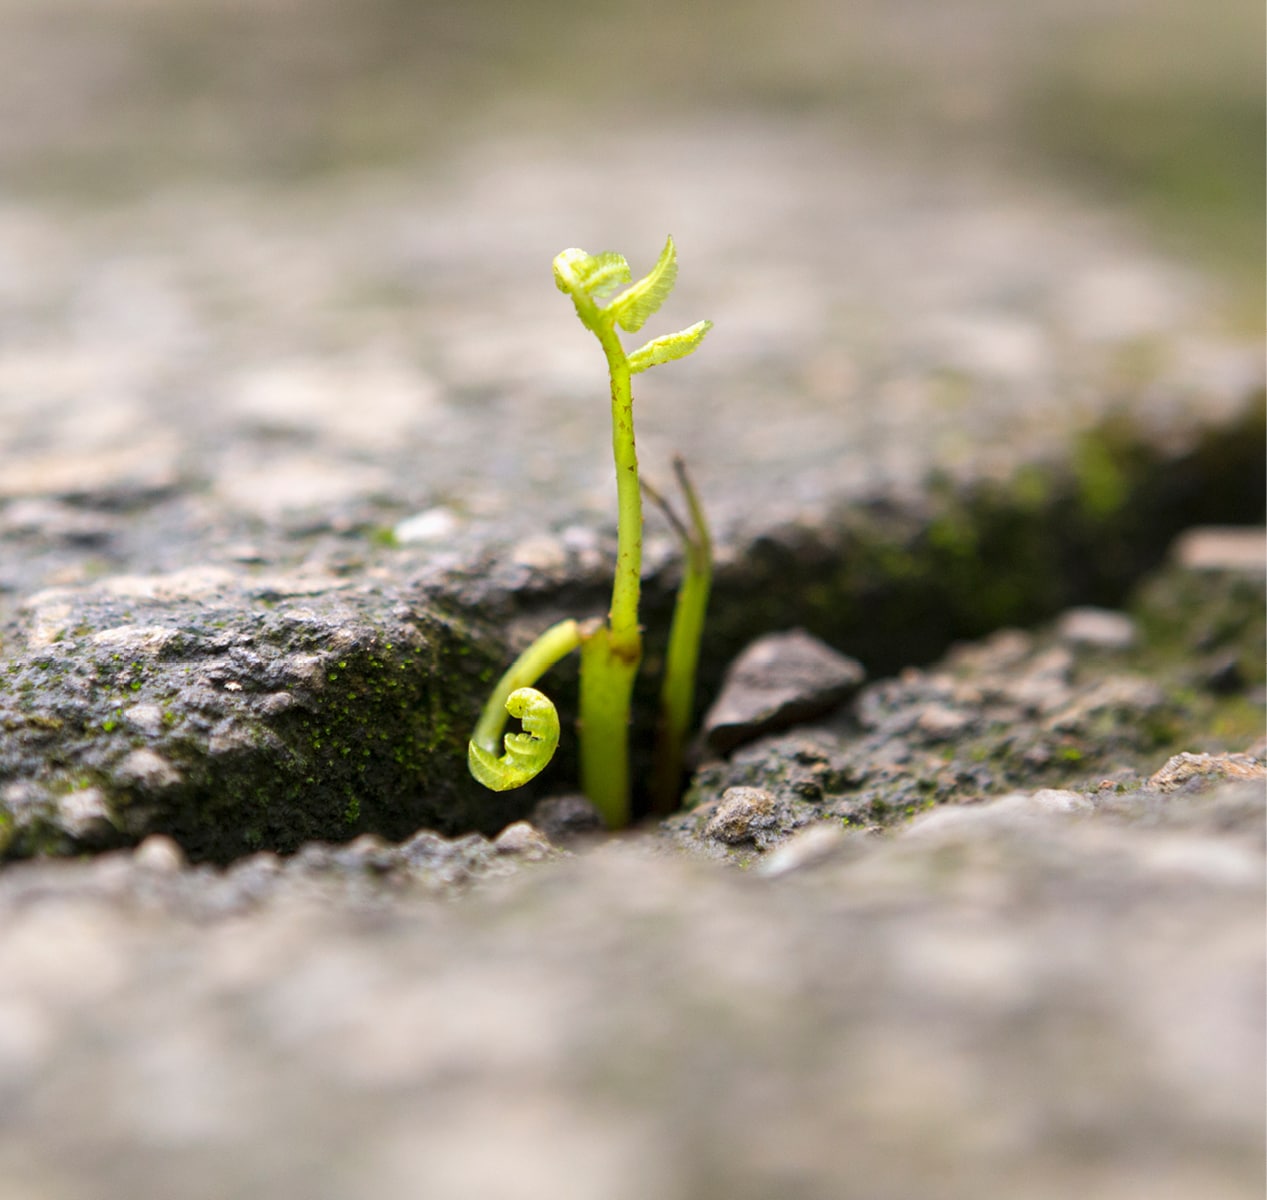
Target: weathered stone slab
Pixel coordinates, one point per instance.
(295, 453)
(237, 713)
(1003, 993)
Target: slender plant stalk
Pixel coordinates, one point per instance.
(607, 680)
(626, 636)
(677, 685)
(611, 656)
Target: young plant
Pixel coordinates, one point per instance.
(611, 650)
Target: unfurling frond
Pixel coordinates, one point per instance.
(526, 754)
(638, 301)
(595, 275)
(667, 348)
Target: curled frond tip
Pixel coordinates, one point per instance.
(526, 754)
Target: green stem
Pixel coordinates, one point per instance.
(556, 643)
(626, 635)
(607, 679)
(677, 690)
(610, 657)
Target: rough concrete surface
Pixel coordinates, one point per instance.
(1020, 1000)
(299, 445)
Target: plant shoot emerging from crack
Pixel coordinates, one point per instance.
(611, 650)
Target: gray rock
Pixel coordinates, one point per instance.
(1100, 628)
(203, 705)
(1187, 768)
(245, 425)
(1235, 550)
(1046, 721)
(780, 679)
(335, 1022)
(84, 814)
(565, 818)
(522, 840)
(742, 815)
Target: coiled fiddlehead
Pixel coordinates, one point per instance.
(526, 754)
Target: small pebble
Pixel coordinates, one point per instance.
(149, 769)
(160, 854)
(1183, 768)
(777, 681)
(742, 812)
(524, 841)
(939, 723)
(1223, 548)
(83, 812)
(1097, 628)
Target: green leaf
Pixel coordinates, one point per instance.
(666, 349)
(577, 272)
(635, 304)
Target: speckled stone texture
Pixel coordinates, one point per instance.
(1015, 998)
(299, 445)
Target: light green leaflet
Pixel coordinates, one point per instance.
(667, 348)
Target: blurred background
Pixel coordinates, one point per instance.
(1157, 105)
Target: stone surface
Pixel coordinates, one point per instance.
(1054, 975)
(235, 713)
(1185, 768)
(1007, 994)
(779, 680)
(299, 445)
